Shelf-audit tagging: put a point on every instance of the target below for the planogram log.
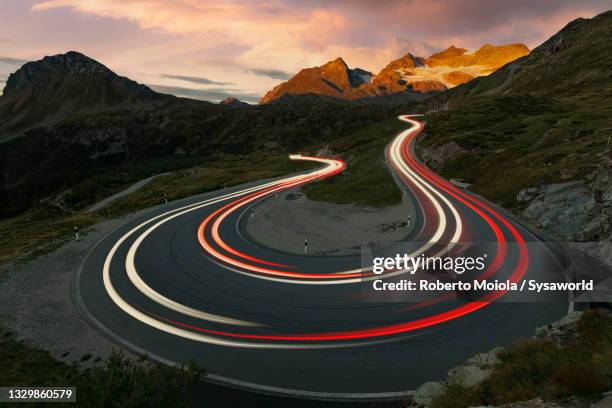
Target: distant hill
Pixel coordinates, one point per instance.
(408, 75)
(234, 103)
(58, 87)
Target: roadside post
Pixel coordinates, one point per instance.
(76, 233)
(166, 198)
(305, 246)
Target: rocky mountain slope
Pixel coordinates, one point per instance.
(574, 63)
(409, 74)
(62, 86)
(332, 79)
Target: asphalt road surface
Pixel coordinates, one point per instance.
(186, 282)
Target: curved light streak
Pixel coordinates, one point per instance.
(421, 177)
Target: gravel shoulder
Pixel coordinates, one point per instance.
(284, 222)
(36, 300)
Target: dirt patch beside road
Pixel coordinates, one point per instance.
(36, 300)
(284, 222)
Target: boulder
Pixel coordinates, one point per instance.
(562, 331)
(426, 393)
(568, 210)
(485, 360)
(468, 376)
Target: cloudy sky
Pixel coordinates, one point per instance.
(212, 49)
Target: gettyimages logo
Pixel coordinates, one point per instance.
(458, 264)
(485, 271)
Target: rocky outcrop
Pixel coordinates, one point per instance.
(427, 86)
(478, 368)
(567, 210)
(561, 332)
(475, 370)
(578, 210)
(541, 403)
(426, 393)
(457, 77)
(436, 157)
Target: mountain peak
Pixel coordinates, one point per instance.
(70, 82)
(36, 72)
(333, 78)
(233, 102)
(409, 74)
(450, 52)
(73, 64)
(338, 64)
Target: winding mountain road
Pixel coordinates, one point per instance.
(185, 282)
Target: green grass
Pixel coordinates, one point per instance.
(541, 368)
(366, 181)
(116, 382)
(38, 231)
(44, 227)
(515, 142)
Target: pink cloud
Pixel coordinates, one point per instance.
(225, 39)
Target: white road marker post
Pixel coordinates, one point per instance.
(252, 212)
(76, 233)
(305, 246)
(166, 198)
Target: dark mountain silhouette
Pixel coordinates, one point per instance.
(61, 86)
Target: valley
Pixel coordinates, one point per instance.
(234, 239)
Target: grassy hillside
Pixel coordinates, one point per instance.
(116, 382)
(366, 181)
(579, 368)
(519, 141)
(130, 145)
(45, 226)
(546, 117)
